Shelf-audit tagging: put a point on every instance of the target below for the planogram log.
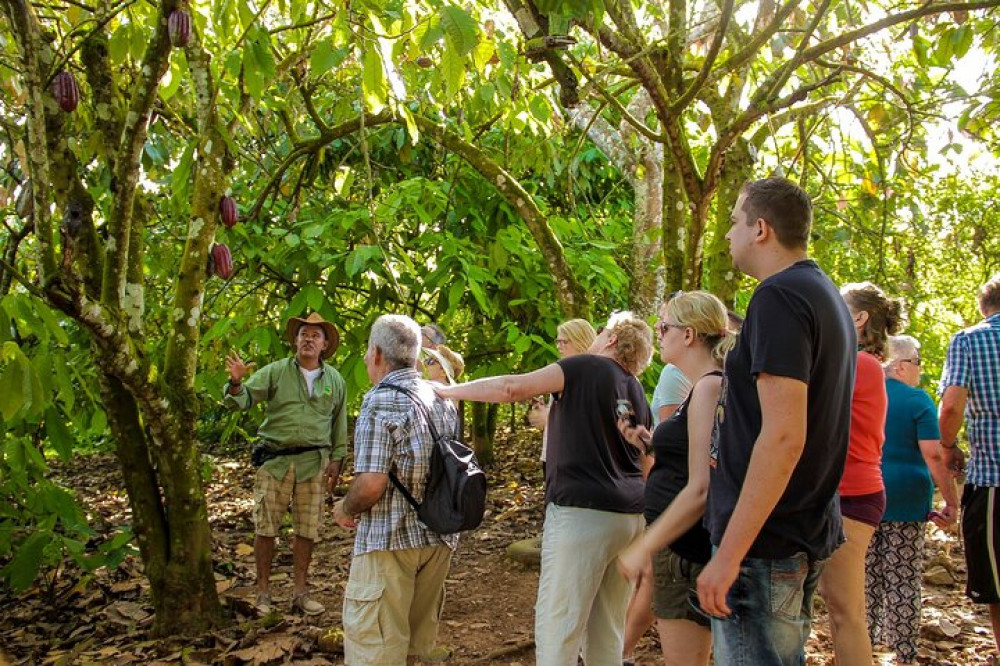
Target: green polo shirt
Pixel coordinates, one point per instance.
(295, 418)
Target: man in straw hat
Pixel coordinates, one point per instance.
(303, 441)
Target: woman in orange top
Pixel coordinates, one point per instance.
(862, 493)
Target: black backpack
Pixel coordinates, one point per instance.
(455, 493)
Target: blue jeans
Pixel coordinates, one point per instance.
(771, 602)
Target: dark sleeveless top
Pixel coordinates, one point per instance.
(669, 476)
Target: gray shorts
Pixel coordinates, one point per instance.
(673, 578)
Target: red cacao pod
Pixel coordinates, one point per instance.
(179, 27)
(66, 91)
(25, 204)
(227, 209)
(221, 261)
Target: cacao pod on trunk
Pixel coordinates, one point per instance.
(230, 215)
(66, 91)
(220, 261)
(179, 27)
(25, 204)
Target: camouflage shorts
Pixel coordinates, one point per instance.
(272, 497)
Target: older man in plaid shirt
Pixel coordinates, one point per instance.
(395, 590)
(970, 389)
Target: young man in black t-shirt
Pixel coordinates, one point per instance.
(780, 437)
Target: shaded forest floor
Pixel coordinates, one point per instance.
(105, 617)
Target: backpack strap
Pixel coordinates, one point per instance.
(421, 407)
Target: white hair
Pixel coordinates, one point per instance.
(901, 346)
(398, 338)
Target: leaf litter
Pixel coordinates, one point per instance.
(105, 617)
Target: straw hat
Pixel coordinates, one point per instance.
(450, 361)
(332, 337)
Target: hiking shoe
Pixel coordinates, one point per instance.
(263, 603)
(305, 604)
(438, 655)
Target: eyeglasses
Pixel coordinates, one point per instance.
(562, 341)
(662, 327)
(915, 361)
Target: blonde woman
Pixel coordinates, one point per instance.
(593, 488)
(572, 337)
(694, 336)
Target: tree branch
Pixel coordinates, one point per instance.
(706, 68)
(129, 154)
(29, 37)
(760, 37)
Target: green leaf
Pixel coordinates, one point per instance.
(98, 422)
(29, 322)
(51, 323)
(315, 297)
(64, 385)
(359, 259)
(373, 83)
(118, 45)
(171, 82)
(540, 108)
(60, 437)
(180, 179)
(453, 71)
(16, 381)
(455, 293)
(431, 36)
(460, 30)
(23, 568)
(482, 54)
(962, 40)
(325, 57)
(259, 68)
(12, 397)
(411, 124)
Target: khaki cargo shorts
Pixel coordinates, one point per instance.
(272, 497)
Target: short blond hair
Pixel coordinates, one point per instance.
(706, 315)
(635, 341)
(579, 333)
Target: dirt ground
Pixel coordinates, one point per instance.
(104, 618)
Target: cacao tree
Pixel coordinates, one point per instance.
(91, 223)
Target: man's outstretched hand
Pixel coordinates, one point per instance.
(237, 368)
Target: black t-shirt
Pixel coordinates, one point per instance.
(589, 464)
(797, 326)
(668, 478)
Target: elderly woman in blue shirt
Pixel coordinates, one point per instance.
(912, 465)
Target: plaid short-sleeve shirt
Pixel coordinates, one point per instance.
(973, 362)
(392, 435)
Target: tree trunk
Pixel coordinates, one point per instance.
(720, 277)
(674, 228)
(169, 519)
(484, 429)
